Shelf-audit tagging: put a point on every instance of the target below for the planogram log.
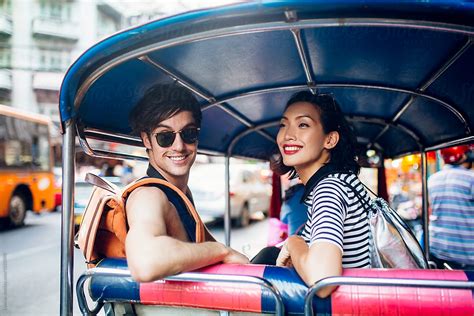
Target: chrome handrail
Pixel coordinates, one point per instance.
(183, 277)
(346, 280)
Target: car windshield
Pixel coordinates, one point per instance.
(83, 190)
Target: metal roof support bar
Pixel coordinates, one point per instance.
(244, 121)
(81, 135)
(304, 60)
(409, 92)
(382, 122)
(424, 204)
(448, 64)
(67, 221)
(343, 85)
(183, 277)
(122, 139)
(405, 129)
(429, 82)
(192, 88)
(227, 218)
(181, 81)
(257, 128)
(119, 138)
(465, 140)
(254, 93)
(342, 280)
(249, 29)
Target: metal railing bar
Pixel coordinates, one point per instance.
(368, 281)
(183, 277)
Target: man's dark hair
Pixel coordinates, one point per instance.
(344, 154)
(161, 102)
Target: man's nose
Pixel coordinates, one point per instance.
(178, 143)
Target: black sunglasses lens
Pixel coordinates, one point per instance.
(165, 139)
(190, 135)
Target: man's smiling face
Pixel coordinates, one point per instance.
(172, 162)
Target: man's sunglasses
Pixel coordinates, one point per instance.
(189, 135)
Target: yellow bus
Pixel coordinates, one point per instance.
(26, 173)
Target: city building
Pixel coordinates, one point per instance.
(39, 39)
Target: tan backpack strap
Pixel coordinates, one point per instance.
(102, 183)
(200, 230)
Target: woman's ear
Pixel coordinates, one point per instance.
(146, 140)
(331, 140)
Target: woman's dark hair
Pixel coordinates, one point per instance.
(161, 102)
(344, 154)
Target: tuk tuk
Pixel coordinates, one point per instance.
(403, 73)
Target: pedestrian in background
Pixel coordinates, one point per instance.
(451, 197)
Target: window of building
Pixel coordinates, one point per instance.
(5, 58)
(55, 10)
(106, 25)
(53, 60)
(6, 7)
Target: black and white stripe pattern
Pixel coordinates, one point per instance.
(336, 215)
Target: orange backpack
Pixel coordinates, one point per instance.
(104, 224)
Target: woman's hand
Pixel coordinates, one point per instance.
(284, 258)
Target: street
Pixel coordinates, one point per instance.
(30, 262)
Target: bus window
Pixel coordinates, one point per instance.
(26, 175)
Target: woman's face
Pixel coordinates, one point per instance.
(301, 139)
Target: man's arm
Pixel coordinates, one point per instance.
(152, 254)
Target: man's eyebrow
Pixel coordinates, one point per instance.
(169, 127)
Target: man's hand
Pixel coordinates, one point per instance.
(235, 257)
(284, 258)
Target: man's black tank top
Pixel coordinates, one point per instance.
(188, 221)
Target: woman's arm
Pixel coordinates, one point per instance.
(321, 260)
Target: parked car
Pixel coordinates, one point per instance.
(249, 193)
(82, 193)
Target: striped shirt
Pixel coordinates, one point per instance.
(336, 215)
(451, 194)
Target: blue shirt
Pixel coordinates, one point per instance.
(451, 195)
(293, 211)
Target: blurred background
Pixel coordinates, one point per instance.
(39, 39)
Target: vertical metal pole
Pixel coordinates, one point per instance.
(424, 190)
(227, 202)
(67, 225)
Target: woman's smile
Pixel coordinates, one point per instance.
(291, 149)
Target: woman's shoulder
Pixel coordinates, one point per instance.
(335, 183)
(340, 179)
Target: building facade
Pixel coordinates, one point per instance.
(39, 39)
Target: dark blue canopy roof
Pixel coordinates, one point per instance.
(403, 72)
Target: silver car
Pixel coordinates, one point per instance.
(249, 191)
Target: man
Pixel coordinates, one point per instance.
(451, 193)
(168, 119)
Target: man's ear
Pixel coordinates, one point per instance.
(331, 140)
(146, 140)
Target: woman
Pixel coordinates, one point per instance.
(318, 146)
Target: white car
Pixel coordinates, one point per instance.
(249, 192)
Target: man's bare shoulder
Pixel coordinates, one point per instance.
(149, 199)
